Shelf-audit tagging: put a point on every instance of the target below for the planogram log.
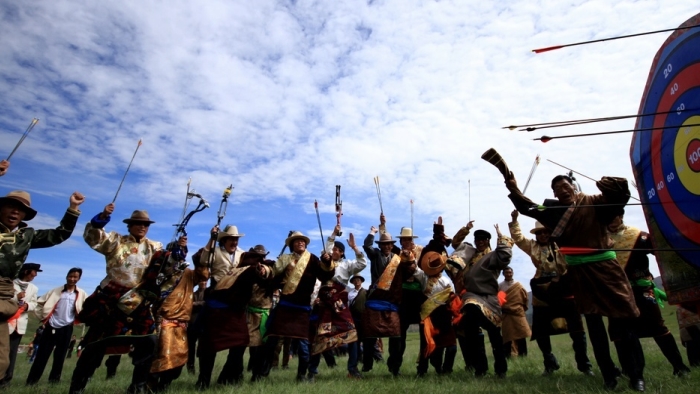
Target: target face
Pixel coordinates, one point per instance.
(666, 146)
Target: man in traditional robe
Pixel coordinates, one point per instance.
(336, 326)
(481, 307)
(647, 296)
(553, 305)
(381, 315)
(118, 313)
(173, 314)
(437, 336)
(598, 282)
(464, 256)
(225, 317)
(16, 239)
(296, 274)
(226, 255)
(514, 328)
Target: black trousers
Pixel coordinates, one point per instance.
(53, 338)
(472, 320)
(232, 371)
(15, 340)
(90, 358)
(111, 364)
(397, 347)
(579, 344)
(468, 354)
(629, 350)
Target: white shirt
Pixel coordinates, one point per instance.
(352, 293)
(64, 313)
(346, 269)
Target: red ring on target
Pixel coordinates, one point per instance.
(684, 79)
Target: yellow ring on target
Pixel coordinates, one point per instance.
(686, 134)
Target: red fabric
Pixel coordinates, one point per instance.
(502, 298)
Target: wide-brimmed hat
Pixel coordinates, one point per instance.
(31, 266)
(482, 234)
(23, 198)
(360, 277)
(432, 263)
(385, 238)
(538, 227)
(139, 217)
(229, 231)
(296, 235)
(406, 232)
(259, 249)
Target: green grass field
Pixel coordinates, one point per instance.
(524, 375)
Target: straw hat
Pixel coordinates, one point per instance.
(406, 232)
(538, 227)
(432, 263)
(229, 231)
(23, 198)
(296, 235)
(138, 217)
(385, 238)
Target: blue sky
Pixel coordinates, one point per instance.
(284, 100)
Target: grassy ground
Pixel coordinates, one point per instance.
(524, 376)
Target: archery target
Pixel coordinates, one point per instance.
(666, 146)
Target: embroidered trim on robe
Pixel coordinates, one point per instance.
(294, 271)
(384, 282)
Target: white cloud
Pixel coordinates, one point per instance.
(286, 100)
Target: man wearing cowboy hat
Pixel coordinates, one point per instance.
(390, 269)
(16, 238)
(437, 337)
(227, 316)
(226, 256)
(553, 304)
(117, 316)
(411, 300)
(296, 273)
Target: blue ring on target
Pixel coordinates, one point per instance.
(674, 85)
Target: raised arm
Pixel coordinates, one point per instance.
(48, 238)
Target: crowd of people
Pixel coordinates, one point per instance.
(147, 305)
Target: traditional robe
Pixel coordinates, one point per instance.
(599, 287)
(336, 325)
(381, 314)
(481, 282)
(553, 304)
(224, 314)
(172, 320)
(291, 317)
(515, 325)
(636, 266)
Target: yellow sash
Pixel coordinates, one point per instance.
(625, 240)
(294, 271)
(387, 277)
(432, 303)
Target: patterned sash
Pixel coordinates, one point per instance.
(387, 277)
(294, 271)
